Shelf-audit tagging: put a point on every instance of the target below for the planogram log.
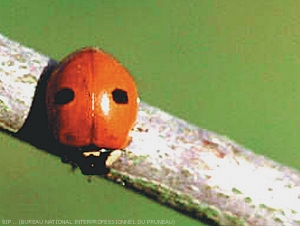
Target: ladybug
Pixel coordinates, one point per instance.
(91, 100)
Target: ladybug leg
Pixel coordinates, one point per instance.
(65, 159)
(74, 166)
(70, 157)
(89, 178)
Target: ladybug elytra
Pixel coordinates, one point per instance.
(91, 99)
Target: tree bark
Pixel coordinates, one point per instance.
(20, 70)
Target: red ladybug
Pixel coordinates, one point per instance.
(91, 99)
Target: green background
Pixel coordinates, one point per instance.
(228, 66)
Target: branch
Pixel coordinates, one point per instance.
(20, 70)
(179, 164)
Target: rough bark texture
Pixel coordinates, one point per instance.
(188, 168)
(20, 69)
(203, 173)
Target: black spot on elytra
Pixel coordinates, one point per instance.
(64, 96)
(120, 96)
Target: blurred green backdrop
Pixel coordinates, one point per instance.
(228, 66)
